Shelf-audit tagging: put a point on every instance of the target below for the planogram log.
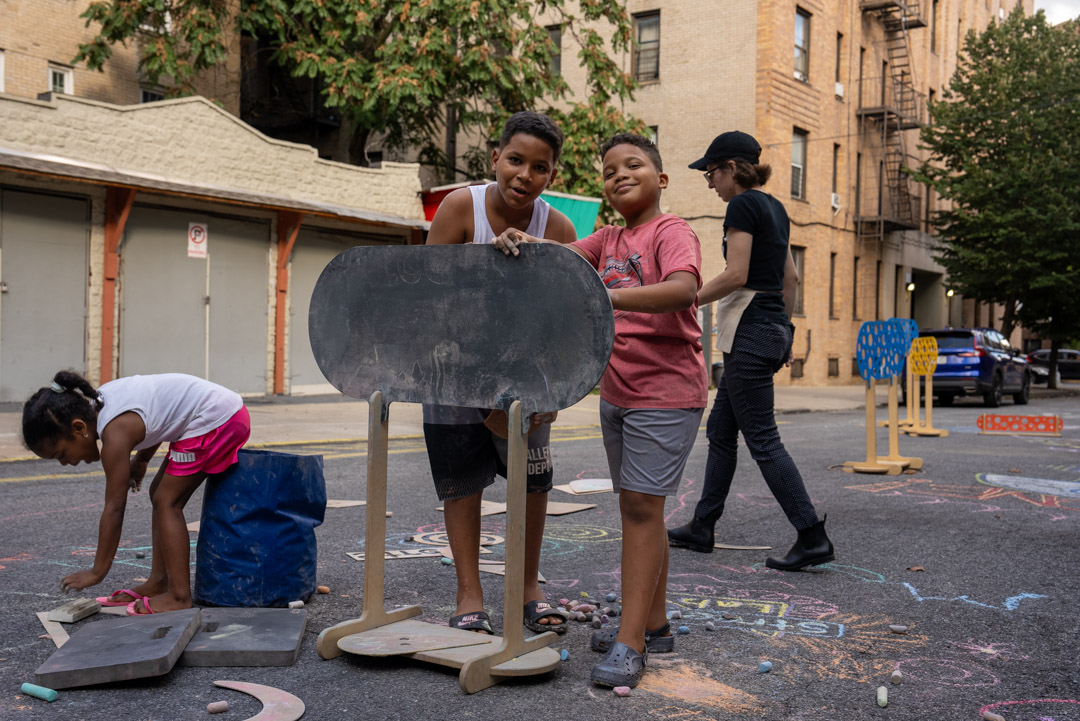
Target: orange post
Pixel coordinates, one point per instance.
(288, 228)
(117, 208)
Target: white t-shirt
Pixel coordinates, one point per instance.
(174, 406)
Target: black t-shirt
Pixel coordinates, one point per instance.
(765, 218)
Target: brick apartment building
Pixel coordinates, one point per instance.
(835, 93)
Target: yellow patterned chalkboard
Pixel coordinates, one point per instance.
(924, 352)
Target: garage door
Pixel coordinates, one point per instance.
(314, 249)
(44, 258)
(206, 317)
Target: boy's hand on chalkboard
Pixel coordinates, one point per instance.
(509, 240)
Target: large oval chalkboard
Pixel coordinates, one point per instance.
(462, 325)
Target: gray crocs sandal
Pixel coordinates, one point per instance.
(657, 641)
(623, 666)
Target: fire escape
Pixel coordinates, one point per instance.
(891, 111)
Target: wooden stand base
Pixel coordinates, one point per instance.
(484, 660)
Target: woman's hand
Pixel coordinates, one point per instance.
(80, 580)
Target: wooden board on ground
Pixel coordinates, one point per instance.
(561, 509)
(74, 610)
(729, 547)
(56, 632)
(114, 610)
(340, 503)
(586, 486)
(487, 508)
(498, 568)
(393, 640)
(246, 637)
(492, 508)
(447, 553)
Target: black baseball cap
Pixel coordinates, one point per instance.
(732, 145)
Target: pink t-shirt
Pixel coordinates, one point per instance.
(656, 361)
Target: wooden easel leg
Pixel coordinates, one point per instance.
(871, 465)
(374, 611)
(476, 673)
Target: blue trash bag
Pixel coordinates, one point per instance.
(257, 535)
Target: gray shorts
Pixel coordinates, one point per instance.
(647, 448)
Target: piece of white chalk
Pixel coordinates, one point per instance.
(991, 716)
(621, 690)
(896, 677)
(296, 604)
(217, 707)
(882, 696)
(676, 614)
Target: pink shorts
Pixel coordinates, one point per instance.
(211, 452)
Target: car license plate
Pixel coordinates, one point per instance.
(942, 360)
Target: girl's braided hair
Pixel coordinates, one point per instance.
(49, 413)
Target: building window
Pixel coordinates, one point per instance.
(654, 134)
(150, 96)
(858, 184)
(647, 47)
(832, 286)
(797, 368)
(877, 292)
(839, 54)
(834, 367)
(555, 62)
(1, 71)
(855, 368)
(836, 168)
(855, 289)
(884, 80)
(61, 80)
(802, 45)
(798, 164)
(799, 256)
(933, 25)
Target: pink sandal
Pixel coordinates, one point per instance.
(110, 599)
(146, 605)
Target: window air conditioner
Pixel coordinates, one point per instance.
(835, 202)
(839, 90)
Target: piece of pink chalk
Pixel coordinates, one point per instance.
(622, 690)
(217, 707)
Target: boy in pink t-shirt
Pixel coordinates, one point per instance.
(653, 392)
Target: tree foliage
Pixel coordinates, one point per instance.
(394, 68)
(1005, 151)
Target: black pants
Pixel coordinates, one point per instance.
(744, 402)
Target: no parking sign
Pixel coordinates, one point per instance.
(196, 240)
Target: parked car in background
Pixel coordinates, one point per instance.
(978, 362)
(1068, 362)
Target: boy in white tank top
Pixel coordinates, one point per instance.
(464, 453)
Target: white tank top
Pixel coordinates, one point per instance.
(174, 406)
(482, 232)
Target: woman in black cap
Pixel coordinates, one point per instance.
(756, 293)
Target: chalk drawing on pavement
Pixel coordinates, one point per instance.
(1045, 486)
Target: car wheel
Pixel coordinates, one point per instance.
(1022, 398)
(992, 397)
(946, 399)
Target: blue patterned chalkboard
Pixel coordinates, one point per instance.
(881, 348)
(910, 328)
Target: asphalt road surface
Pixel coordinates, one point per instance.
(984, 572)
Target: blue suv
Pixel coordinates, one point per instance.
(978, 361)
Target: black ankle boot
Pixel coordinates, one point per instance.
(812, 549)
(696, 535)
